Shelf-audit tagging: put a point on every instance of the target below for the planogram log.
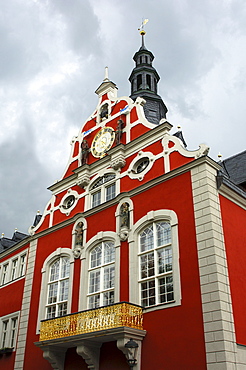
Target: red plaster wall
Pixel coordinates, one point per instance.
(175, 335)
(124, 272)
(234, 221)
(46, 245)
(177, 160)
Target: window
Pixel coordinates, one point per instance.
(148, 82)
(4, 273)
(139, 82)
(141, 165)
(155, 264)
(13, 268)
(58, 287)
(101, 275)
(68, 202)
(103, 189)
(8, 330)
(22, 264)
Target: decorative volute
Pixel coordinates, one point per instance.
(144, 79)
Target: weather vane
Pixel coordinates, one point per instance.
(141, 28)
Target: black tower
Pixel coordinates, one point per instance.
(144, 79)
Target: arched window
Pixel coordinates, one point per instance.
(101, 275)
(103, 189)
(58, 288)
(139, 82)
(148, 82)
(155, 264)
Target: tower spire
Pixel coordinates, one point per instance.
(142, 31)
(144, 79)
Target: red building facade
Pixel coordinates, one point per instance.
(141, 240)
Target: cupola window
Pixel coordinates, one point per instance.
(139, 82)
(148, 82)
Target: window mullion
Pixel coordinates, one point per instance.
(155, 262)
(102, 274)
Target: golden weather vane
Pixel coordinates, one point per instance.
(141, 28)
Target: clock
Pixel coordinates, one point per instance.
(102, 142)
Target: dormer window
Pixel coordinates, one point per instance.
(103, 189)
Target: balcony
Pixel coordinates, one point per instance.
(103, 318)
(87, 330)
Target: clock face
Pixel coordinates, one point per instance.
(102, 142)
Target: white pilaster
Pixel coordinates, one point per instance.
(215, 288)
(25, 308)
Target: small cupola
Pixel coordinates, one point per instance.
(144, 80)
(107, 87)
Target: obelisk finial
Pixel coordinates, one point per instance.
(142, 31)
(106, 74)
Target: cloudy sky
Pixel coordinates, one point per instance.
(52, 58)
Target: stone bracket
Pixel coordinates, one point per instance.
(90, 352)
(55, 356)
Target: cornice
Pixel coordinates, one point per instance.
(230, 194)
(63, 184)
(17, 246)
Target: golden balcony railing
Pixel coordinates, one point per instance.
(108, 317)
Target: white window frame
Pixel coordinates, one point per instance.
(6, 335)
(102, 189)
(56, 301)
(141, 156)
(100, 269)
(134, 269)
(13, 268)
(101, 236)
(151, 257)
(59, 252)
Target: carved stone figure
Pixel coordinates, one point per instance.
(79, 234)
(77, 251)
(84, 151)
(104, 112)
(119, 130)
(124, 233)
(124, 215)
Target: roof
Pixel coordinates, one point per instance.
(6, 243)
(235, 168)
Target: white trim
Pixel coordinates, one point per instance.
(10, 265)
(153, 216)
(68, 194)
(133, 165)
(117, 214)
(9, 318)
(25, 307)
(77, 249)
(59, 252)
